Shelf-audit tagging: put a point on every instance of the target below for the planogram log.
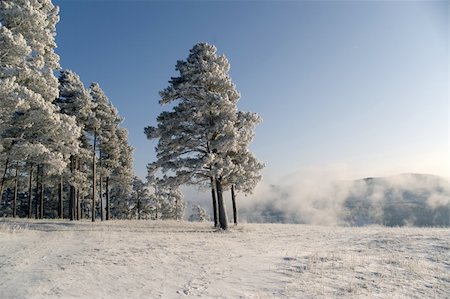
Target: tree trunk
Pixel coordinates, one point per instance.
(176, 209)
(108, 203)
(138, 208)
(15, 190)
(60, 198)
(30, 191)
(77, 204)
(94, 191)
(72, 203)
(2, 184)
(72, 191)
(223, 221)
(37, 193)
(214, 201)
(41, 213)
(81, 209)
(101, 197)
(233, 200)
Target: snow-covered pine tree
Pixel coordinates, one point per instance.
(119, 184)
(75, 100)
(204, 137)
(115, 155)
(194, 136)
(198, 214)
(110, 147)
(33, 130)
(98, 96)
(246, 171)
(140, 197)
(171, 200)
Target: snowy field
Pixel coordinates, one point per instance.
(147, 259)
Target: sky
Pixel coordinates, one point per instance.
(353, 88)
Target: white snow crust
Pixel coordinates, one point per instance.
(163, 259)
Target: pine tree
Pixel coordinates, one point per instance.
(140, 197)
(172, 204)
(32, 130)
(198, 214)
(119, 184)
(75, 100)
(247, 169)
(199, 138)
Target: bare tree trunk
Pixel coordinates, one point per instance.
(2, 184)
(138, 208)
(81, 209)
(77, 205)
(37, 192)
(108, 201)
(30, 191)
(101, 197)
(72, 191)
(60, 198)
(15, 190)
(93, 177)
(102, 217)
(41, 213)
(223, 221)
(176, 209)
(214, 201)
(233, 201)
(72, 203)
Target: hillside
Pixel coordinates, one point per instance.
(148, 259)
(402, 200)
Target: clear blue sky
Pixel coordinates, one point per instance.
(361, 86)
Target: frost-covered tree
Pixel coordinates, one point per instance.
(198, 214)
(32, 130)
(166, 202)
(172, 203)
(114, 153)
(246, 171)
(100, 101)
(199, 139)
(75, 100)
(140, 197)
(119, 183)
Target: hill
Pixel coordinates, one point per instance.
(407, 199)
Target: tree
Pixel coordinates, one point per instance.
(198, 214)
(199, 140)
(119, 184)
(140, 196)
(172, 203)
(32, 130)
(247, 169)
(75, 100)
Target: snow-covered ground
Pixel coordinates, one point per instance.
(147, 259)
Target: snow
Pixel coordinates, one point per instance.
(164, 259)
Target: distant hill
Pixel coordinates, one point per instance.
(402, 200)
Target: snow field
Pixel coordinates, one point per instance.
(164, 259)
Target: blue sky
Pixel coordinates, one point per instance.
(358, 87)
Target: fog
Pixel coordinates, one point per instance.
(321, 198)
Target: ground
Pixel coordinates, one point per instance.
(148, 259)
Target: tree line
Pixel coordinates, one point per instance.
(57, 137)
(63, 152)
